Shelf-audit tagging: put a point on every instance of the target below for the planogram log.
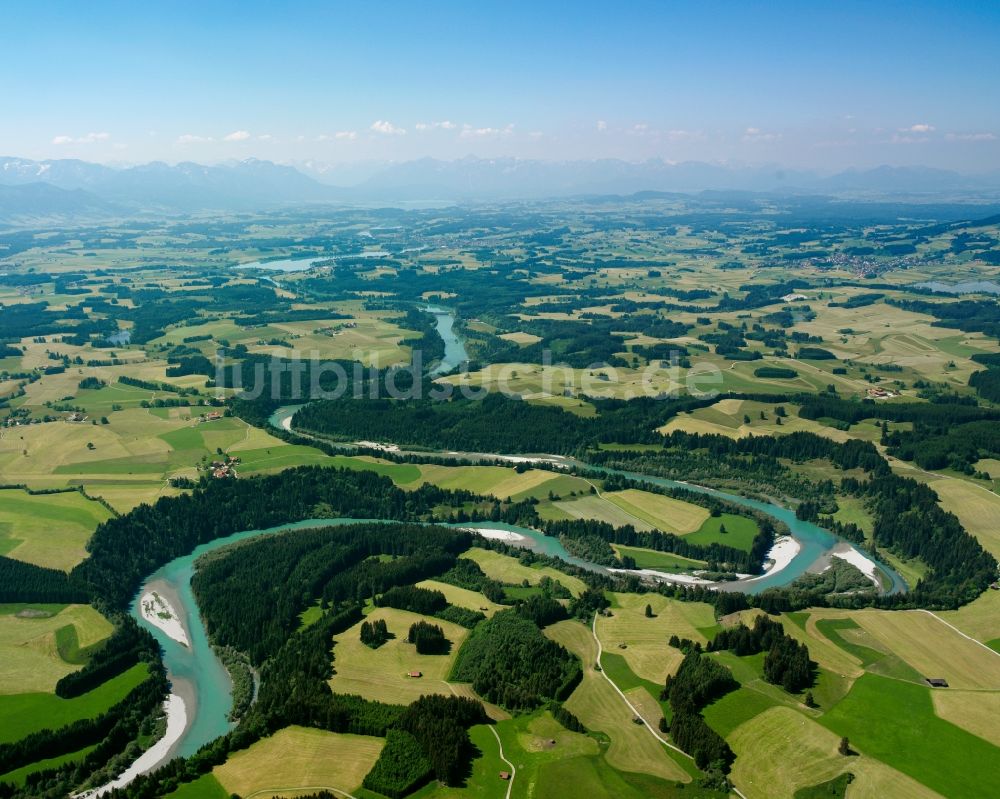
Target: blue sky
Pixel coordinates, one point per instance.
(811, 84)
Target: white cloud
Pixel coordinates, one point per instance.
(683, 135)
(90, 138)
(387, 128)
(190, 138)
(442, 125)
(756, 134)
(920, 127)
(602, 125)
(340, 135)
(469, 132)
(971, 136)
(237, 135)
(265, 137)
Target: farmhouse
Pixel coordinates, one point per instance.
(415, 674)
(505, 775)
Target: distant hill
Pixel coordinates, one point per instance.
(256, 185)
(33, 201)
(244, 185)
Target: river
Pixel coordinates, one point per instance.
(200, 678)
(454, 349)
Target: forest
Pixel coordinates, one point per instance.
(496, 423)
(173, 526)
(787, 661)
(698, 681)
(510, 663)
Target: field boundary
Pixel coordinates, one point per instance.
(953, 627)
(272, 791)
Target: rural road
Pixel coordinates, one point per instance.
(635, 712)
(513, 771)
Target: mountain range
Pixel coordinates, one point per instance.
(68, 187)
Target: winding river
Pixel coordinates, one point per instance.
(454, 349)
(202, 681)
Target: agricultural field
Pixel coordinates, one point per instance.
(462, 597)
(644, 638)
(652, 559)
(48, 530)
(295, 759)
(976, 506)
(510, 570)
(41, 644)
(383, 673)
(131, 459)
(663, 513)
(22, 714)
(781, 751)
(894, 721)
(596, 703)
(502, 482)
(863, 655)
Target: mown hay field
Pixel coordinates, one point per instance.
(297, 758)
(510, 570)
(382, 673)
(48, 530)
(30, 656)
(596, 703)
(645, 639)
(781, 751)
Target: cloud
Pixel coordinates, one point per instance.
(920, 127)
(265, 137)
(340, 135)
(683, 135)
(90, 138)
(756, 134)
(442, 125)
(387, 128)
(237, 135)
(986, 136)
(602, 126)
(190, 138)
(469, 132)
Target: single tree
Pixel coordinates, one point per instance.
(845, 747)
(649, 611)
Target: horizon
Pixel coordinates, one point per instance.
(807, 88)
